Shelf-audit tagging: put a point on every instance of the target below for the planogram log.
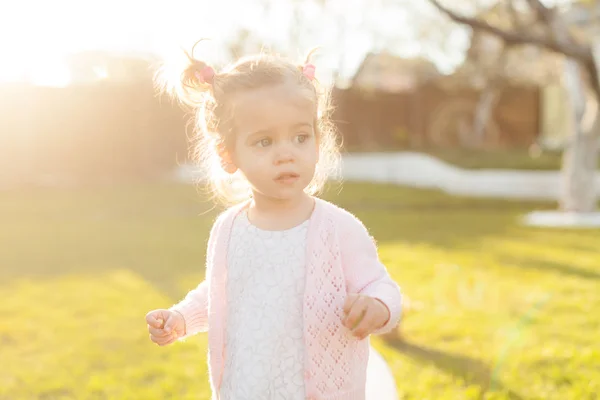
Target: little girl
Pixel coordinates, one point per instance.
(294, 286)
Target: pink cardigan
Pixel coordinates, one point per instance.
(341, 258)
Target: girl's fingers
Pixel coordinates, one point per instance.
(157, 340)
(155, 319)
(170, 323)
(365, 327)
(170, 340)
(349, 303)
(356, 314)
(163, 341)
(157, 332)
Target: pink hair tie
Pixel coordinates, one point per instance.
(206, 75)
(309, 71)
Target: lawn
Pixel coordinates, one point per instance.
(498, 311)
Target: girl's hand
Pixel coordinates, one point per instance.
(364, 315)
(165, 326)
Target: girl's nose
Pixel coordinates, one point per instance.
(284, 159)
(284, 155)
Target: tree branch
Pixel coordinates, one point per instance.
(544, 13)
(554, 24)
(561, 35)
(559, 41)
(580, 52)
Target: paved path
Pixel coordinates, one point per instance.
(421, 170)
(380, 381)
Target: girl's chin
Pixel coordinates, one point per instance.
(281, 194)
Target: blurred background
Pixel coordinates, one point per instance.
(470, 136)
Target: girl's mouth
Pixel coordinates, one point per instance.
(287, 177)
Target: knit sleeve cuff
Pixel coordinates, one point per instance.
(195, 320)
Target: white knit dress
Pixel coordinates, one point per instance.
(264, 333)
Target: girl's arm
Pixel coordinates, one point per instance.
(194, 307)
(364, 272)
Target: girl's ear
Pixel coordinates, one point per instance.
(227, 161)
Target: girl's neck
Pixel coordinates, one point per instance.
(275, 214)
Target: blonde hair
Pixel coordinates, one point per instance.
(210, 101)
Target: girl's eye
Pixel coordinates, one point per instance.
(263, 142)
(302, 138)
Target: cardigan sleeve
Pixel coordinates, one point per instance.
(194, 307)
(364, 272)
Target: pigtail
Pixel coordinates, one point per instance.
(307, 68)
(191, 83)
(309, 55)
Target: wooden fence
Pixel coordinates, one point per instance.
(433, 116)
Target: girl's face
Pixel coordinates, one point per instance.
(275, 145)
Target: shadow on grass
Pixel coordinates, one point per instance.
(549, 266)
(471, 370)
(160, 230)
(420, 216)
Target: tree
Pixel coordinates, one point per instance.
(491, 65)
(550, 31)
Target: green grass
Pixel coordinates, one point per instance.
(498, 311)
